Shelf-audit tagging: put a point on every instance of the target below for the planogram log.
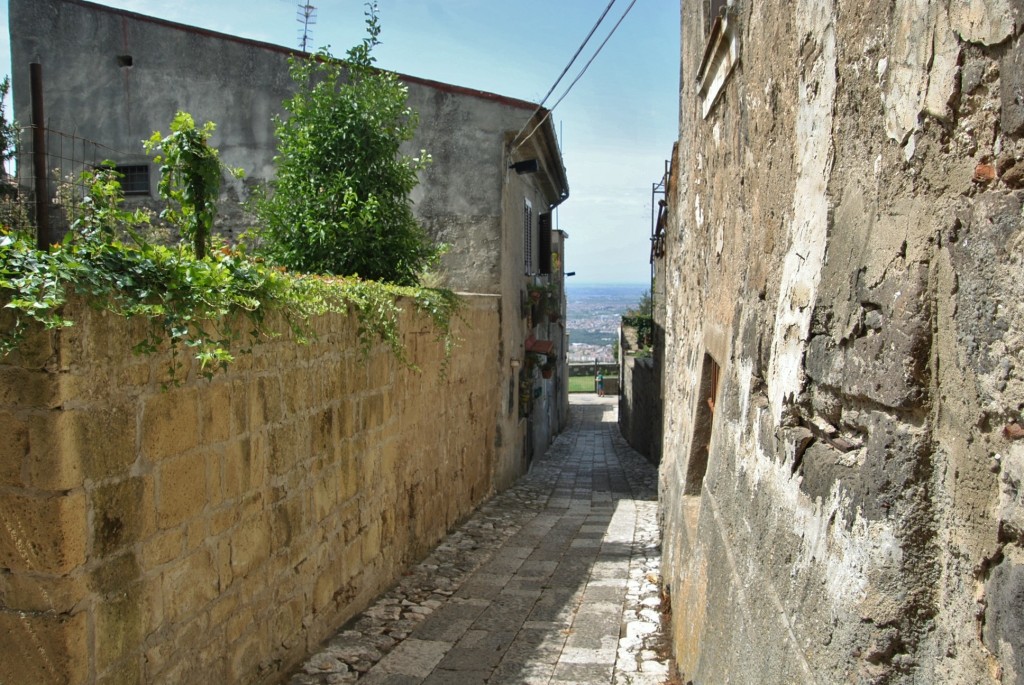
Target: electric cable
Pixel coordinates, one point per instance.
(578, 77)
(567, 67)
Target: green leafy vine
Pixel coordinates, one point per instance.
(191, 301)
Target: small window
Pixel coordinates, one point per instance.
(712, 10)
(134, 178)
(721, 52)
(703, 421)
(528, 237)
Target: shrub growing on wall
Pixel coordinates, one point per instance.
(189, 178)
(339, 203)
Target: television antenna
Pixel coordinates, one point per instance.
(306, 17)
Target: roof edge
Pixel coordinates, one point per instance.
(273, 47)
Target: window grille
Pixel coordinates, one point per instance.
(134, 178)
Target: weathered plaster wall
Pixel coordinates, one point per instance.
(216, 531)
(846, 245)
(537, 420)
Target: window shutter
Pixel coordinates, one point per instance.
(528, 237)
(544, 243)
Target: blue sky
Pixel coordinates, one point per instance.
(617, 125)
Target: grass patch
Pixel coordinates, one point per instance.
(583, 383)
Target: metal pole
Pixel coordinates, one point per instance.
(43, 237)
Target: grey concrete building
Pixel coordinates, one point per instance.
(842, 460)
(113, 77)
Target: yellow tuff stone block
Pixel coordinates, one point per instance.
(239, 401)
(29, 388)
(216, 413)
(44, 648)
(170, 423)
(190, 585)
(103, 439)
(43, 534)
(36, 592)
(13, 448)
(120, 626)
(181, 489)
(163, 548)
(250, 545)
(122, 514)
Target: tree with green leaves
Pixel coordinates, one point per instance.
(340, 201)
(8, 129)
(642, 307)
(13, 213)
(189, 178)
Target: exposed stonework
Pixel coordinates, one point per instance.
(216, 531)
(844, 258)
(640, 406)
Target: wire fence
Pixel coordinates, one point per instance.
(67, 157)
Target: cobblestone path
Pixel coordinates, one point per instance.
(553, 581)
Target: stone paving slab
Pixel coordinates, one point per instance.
(552, 582)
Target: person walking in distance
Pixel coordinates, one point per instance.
(599, 382)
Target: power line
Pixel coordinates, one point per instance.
(567, 67)
(578, 51)
(589, 62)
(578, 77)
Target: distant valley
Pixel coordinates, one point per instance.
(594, 314)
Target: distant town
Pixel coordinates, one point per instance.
(594, 314)
(583, 352)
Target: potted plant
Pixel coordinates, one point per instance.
(547, 364)
(536, 292)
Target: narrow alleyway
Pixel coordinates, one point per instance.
(553, 581)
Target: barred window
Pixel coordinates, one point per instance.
(134, 178)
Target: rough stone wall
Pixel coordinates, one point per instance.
(843, 273)
(216, 531)
(640, 405)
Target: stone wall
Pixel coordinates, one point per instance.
(640, 406)
(215, 531)
(114, 77)
(640, 403)
(841, 477)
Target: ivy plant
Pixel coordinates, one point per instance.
(192, 303)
